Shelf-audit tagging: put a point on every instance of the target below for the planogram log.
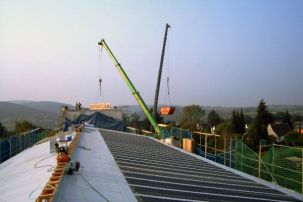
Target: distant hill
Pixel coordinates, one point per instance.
(42, 114)
(293, 109)
(48, 106)
(20, 101)
(45, 113)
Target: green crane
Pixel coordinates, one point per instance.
(131, 87)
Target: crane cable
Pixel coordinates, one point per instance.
(167, 90)
(167, 95)
(100, 93)
(100, 86)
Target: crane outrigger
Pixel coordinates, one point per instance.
(131, 87)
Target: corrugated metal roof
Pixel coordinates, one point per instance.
(156, 172)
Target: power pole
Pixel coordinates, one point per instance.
(160, 73)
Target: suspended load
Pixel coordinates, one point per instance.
(167, 110)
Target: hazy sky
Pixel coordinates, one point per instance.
(227, 53)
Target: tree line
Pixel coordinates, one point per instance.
(20, 127)
(251, 129)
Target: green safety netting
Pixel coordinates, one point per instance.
(278, 164)
(285, 165)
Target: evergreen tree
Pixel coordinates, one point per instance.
(3, 131)
(258, 129)
(213, 118)
(234, 121)
(241, 122)
(287, 119)
(238, 122)
(262, 120)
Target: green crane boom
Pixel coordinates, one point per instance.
(131, 87)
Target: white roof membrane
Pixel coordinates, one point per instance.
(99, 177)
(23, 177)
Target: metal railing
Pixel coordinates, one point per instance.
(279, 164)
(14, 144)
